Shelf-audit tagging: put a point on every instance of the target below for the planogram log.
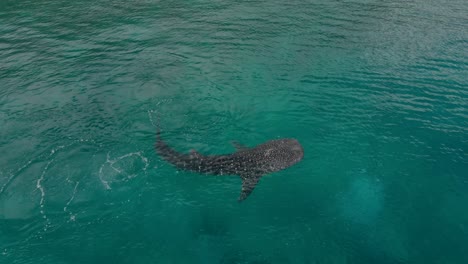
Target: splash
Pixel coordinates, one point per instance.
(118, 174)
(14, 175)
(49, 159)
(65, 208)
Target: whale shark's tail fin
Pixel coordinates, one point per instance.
(161, 147)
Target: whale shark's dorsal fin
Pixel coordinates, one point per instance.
(239, 146)
(195, 153)
(248, 184)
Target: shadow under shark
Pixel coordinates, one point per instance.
(250, 163)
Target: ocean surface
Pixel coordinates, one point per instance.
(375, 91)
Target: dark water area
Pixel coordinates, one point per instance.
(375, 91)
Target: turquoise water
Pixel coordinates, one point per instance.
(375, 91)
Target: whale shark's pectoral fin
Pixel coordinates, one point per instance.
(248, 184)
(239, 146)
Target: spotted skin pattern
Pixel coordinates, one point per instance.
(249, 163)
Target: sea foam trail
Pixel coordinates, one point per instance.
(111, 162)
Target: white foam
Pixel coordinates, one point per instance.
(14, 175)
(150, 115)
(65, 208)
(111, 163)
(42, 190)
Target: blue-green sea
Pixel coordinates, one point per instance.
(375, 91)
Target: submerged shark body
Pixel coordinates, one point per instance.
(249, 163)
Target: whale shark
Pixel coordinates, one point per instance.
(250, 163)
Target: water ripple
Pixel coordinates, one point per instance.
(376, 92)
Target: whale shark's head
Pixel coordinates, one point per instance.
(282, 153)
